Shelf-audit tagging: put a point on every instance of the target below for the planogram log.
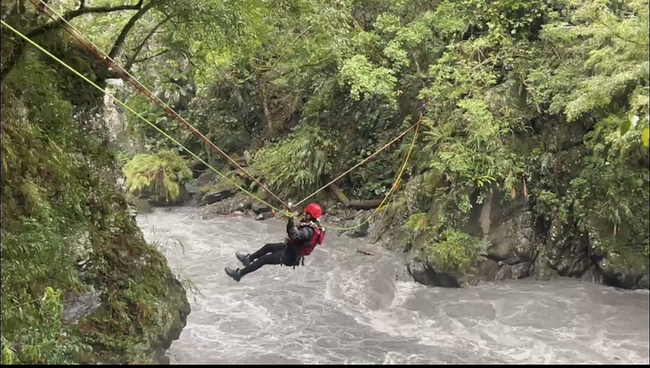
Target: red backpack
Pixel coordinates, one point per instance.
(316, 239)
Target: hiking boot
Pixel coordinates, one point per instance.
(245, 259)
(233, 273)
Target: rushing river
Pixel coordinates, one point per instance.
(346, 307)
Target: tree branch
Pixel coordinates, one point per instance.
(79, 12)
(137, 50)
(151, 57)
(117, 46)
(619, 36)
(20, 44)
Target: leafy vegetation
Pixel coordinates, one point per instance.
(59, 206)
(543, 100)
(295, 168)
(161, 174)
(453, 251)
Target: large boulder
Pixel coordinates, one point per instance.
(216, 196)
(358, 225)
(260, 208)
(623, 273)
(427, 272)
(240, 202)
(514, 241)
(516, 271)
(567, 251)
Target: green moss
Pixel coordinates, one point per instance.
(57, 178)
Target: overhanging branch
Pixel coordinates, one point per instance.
(79, 12)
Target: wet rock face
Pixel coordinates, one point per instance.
(76, 307)
(514, 240)
(567, 252)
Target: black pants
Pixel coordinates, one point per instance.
(272, 253)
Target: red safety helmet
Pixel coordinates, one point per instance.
(314, 210)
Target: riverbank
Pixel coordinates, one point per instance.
(513, 245)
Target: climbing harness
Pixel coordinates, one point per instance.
(135, 83)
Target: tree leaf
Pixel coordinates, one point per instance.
(625, 127)
(644, 137)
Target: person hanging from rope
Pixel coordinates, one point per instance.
(300, 242)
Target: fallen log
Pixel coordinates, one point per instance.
(364, 205)
(339, 194)
(356, 205)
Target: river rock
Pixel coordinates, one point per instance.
(259, 208)
(516, 271)
(520, 270)
(426, 272)
(420, 270)
(514, 239)
(216, 196)
(239, 202)
(360, 225)
(423, 272)
(264, 216)
(623, 274)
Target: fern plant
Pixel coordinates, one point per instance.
(295, 166)
(454, 251)
(159, 174)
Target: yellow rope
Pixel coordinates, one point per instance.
(392, 189)
(139, 116)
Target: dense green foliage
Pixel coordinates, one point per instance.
(59, 206)
(545, 100)
(160, 175)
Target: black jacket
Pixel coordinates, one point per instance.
(300, 235)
